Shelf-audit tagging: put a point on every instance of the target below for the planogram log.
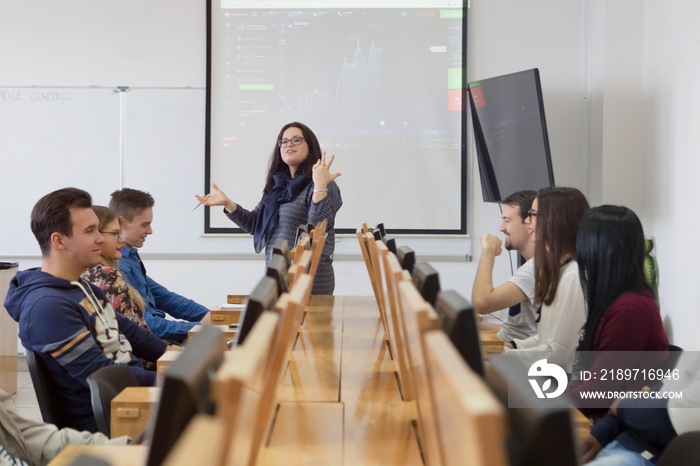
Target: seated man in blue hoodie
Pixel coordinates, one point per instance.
(135, 209)
(67, 321)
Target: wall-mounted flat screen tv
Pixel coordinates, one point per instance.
(510, 131)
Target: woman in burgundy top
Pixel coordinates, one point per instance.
(622, 312)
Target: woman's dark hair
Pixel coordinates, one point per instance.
(610, 255)
(277, 164)
(559, 212)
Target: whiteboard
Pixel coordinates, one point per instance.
(53, 138)
(101, 141)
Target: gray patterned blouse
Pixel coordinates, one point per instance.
(299, 211)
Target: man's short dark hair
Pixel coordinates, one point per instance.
(51, 214)
(129, 202)
(522, 199)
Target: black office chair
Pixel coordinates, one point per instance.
(46, 391)
(105, 384)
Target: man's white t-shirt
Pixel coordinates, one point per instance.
(522, 324)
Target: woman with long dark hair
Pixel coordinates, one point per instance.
(622, 312)
(299, 188)
(553, 221)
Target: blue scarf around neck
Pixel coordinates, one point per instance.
(285, 189)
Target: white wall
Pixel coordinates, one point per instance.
(642, 133)
(74, 43)
(621, 104)
(672, 157)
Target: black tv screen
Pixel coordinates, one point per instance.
(510, 131)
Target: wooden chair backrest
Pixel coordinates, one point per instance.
(376, 273)
(301, 264)
(377, 251)
(420, 318)
(320, 228)
(316, 252)
(303, 244)
(290, 308)
(394, 274)
(364, 247)
(464, 408)
(240, 384)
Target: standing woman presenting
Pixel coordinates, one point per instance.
(299, 189)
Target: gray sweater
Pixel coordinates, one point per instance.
(299, 211)
(37, 443)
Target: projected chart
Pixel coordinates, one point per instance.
(312, 65)
(375, 82)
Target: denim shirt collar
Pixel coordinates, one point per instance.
(126, 252)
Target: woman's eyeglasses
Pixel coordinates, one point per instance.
(118, 235)
(295, 141)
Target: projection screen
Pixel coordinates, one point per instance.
(380, 83)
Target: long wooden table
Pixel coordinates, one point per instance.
(341, 379)
(339, 398)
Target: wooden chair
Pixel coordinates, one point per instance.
(318, 230)
(377, 250)
(420, 318)
(393, 275)
(239, 388)
(290, 308)
(364, 247)
(375, 274)
(246, 391)
(316, 251)
(300, 266)
(464, 407)
(303, 244)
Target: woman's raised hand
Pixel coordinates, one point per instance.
(321, 172)
(217, 197)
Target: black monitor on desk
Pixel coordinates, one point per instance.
(427, 281)
(277, 270)
(281, 247)
(263, 298)
(390, 243)
(459, 322)
(406, 257)
(541, 431)
(186, 391)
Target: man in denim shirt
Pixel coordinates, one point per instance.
(135, 209)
